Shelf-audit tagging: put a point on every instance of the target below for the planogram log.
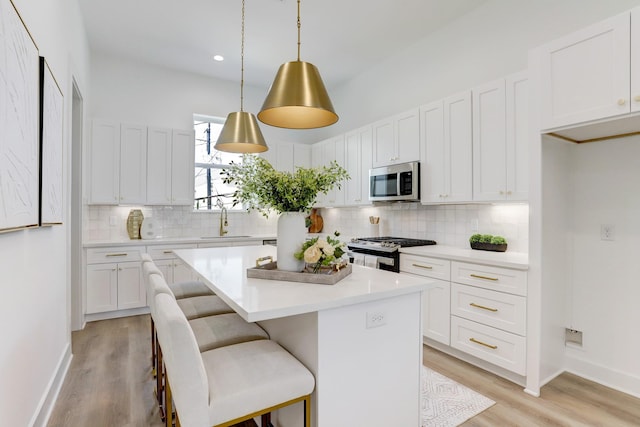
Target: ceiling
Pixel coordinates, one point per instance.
(341, 37)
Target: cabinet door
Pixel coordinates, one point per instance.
(357, 163)
(159, 155)
(383, 143)
(102, 288)
(517, 91)
(586, 74)
(407, 136)
(432, 164)
(182, 272)
(436, 311)
(131, 291)
(166, 267)
(301, 156)
(489, 142)
(285, 157)
(271, 155)
(182, 167)
(338, 150)
(317, 160)
(458, 148)
(635, 59)
(133, 163)
(105, 162)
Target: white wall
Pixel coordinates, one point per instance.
(603, 292)
(34, 308)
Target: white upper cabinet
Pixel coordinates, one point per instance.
(284, 157)
(397, 139)
(358, 153)
(301, 156)
(500, 154)
(182, 167)
(445, 167)
(333, 150)
(133, 163)
(105, 162)
(170, 167)
(159, 166)
(118, 163)
(586, 75)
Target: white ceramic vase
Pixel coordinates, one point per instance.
(291, 235)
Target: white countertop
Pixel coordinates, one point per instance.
(224, 270)
(175, 240)
(516, 260)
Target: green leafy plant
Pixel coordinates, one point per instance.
(498, 240)
(486, 238)
(261, 187)
(319, 251)
(475, 238)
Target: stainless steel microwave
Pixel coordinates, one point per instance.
(400, 183)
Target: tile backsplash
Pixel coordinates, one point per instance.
(449, 225)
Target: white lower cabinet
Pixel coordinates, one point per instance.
(478, 309)
(173, 269)
(435, 300)
(114, 279)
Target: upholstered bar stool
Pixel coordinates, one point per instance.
(221, 329)
(183, 289)
(230, 384)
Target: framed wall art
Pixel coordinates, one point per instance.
(19, 123)
(51, 125)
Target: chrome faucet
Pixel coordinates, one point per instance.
(223, 221)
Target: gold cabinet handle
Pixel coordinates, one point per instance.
(637, 98)
(114, 255)
(484, 277)
(423, 266)
(167, 252)
(622, 101)
(264, 258)
(493, 347)
(473, 304)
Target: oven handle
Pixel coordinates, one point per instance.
(380, 259)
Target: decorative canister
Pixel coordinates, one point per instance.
(134, 221)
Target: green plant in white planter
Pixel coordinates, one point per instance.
(260, 187)
(487, 242)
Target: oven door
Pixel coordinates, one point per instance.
(383, 260)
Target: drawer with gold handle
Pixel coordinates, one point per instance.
(425, 266)
(489, 277)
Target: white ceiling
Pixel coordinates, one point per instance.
(341, 37)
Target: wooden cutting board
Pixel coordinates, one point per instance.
(316, 222)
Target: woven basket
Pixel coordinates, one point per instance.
(489, 247)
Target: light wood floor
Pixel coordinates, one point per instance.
(109, 384)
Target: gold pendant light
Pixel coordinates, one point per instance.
(241, 133)
(297, 98)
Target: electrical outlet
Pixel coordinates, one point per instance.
(607, 232)
(375, 319)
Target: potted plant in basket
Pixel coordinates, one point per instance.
(487, 242)
(291, 195)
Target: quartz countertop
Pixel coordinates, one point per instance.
(176, 240)
(515, 260)
(224, 271)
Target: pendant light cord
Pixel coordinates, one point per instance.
(298, 30)
(242, 63)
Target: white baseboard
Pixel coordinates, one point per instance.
(45, 407)
(617, 380)
(115, 314)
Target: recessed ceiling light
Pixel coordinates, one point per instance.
(218, 58)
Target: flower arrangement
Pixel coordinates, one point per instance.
(319, 252)
(263, 188)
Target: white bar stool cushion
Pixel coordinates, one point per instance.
(224, 329)
(190, 289)
(245, 378)
(206, 305)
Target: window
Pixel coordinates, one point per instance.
(210, 192)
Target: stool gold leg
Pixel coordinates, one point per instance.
(307, 411)
(168, 404)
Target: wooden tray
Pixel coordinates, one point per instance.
(270, 271)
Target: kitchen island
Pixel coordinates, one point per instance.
(361, 338)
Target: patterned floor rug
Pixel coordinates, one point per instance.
(445, 403)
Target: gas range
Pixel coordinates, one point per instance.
(387, 244)
(384, 250)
